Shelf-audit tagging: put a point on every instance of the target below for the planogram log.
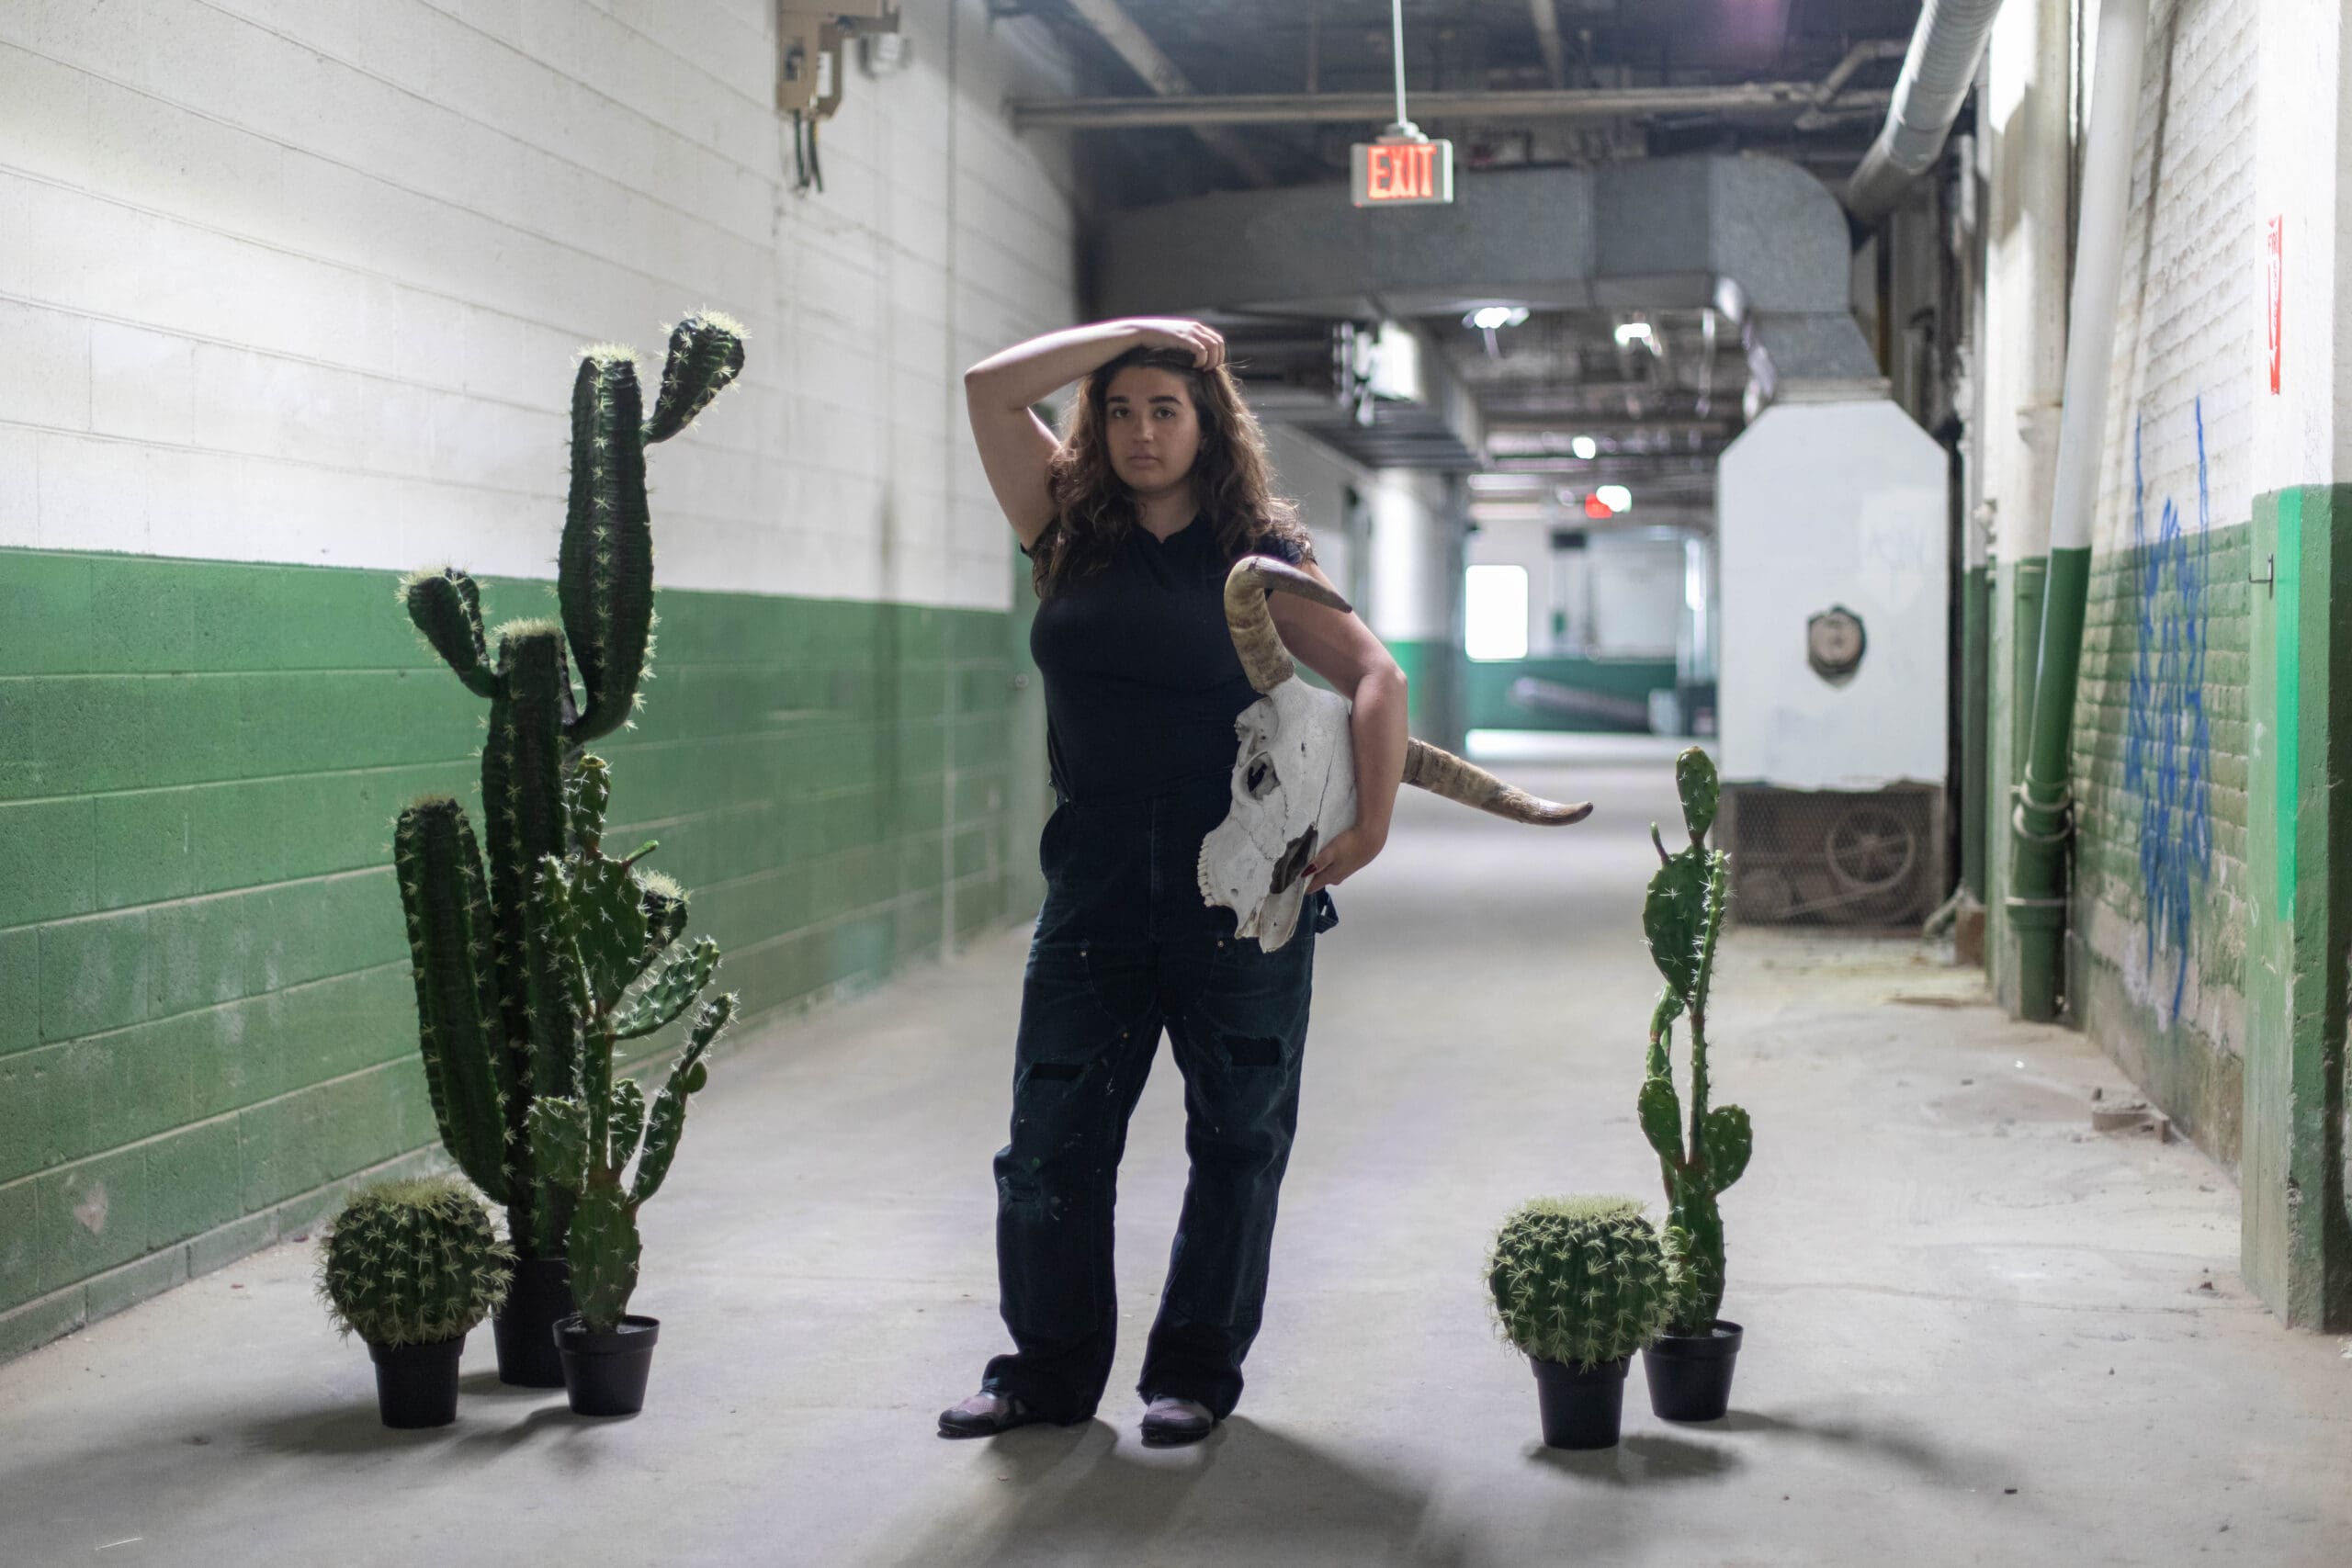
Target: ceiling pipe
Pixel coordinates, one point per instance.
(1197, 111)
(1937, 72)
(1118, 29)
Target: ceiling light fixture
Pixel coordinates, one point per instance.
(1586, 447)
(1486, 318)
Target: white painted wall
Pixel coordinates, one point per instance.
(2189, 322)
(2302, 176)
(1408, 574)
(1623, 593)
(288, 281)
(1797, 536)
(2023, 360)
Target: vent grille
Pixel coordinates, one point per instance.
(1831, 857)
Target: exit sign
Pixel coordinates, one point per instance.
(1402, 173)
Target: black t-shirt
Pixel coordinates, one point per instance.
(1142, 684)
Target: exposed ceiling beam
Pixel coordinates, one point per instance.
(1203, 113)
(1148, 61)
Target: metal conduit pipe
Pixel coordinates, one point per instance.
(2044, 819)
(1938, 71)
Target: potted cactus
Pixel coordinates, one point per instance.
(410, 1267)
(494, 1035)
(1690, 1368)
(610, 939)
(1580, 1284)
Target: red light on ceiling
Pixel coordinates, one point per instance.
(1595, 508)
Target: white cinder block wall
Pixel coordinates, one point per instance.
(2186, 316)
(290, 281)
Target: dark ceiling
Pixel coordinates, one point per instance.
(1658, 393)
(1230, 47)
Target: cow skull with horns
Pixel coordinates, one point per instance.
(1295, 780)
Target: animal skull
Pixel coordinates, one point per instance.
(1294, 779)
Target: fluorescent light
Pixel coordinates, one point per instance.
(1617, 498)
(1486, 318)
(1585, 447)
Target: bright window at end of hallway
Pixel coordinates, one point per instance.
(1494, 612)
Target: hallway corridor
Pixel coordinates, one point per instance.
(1976, 1331)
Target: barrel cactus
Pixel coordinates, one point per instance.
(1579, 1280)
(1703, 1154)
(412, 1263)
(610, 934)
(496, 1031)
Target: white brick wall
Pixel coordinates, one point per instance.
(300, 282)
(2187, 320)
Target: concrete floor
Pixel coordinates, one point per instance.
(1976, 1331)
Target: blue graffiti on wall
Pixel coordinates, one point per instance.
(2167, 750)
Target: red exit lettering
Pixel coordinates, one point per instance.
(1401, 172)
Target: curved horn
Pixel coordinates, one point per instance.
(1263, 657)
(1441, 773)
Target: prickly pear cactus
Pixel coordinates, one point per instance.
(496, 1028)
(1682, 919)
(613, 945)
(1582, 1280)
(412, 1263)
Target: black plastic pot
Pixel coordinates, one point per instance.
(1581, 1405)
(604, 1373)
(540, 1297)
(416, 1385)
(1690, 1377)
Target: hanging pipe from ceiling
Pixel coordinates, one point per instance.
(2044, 818)
(1938, 71)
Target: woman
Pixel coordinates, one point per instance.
(1131, 524)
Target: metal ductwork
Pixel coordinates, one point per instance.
(1937, 72)
(1756, 237)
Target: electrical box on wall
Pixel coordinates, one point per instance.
(810, 35)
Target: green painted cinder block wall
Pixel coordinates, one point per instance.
(2162, 892)
(206, 1025)
(2295, 1233)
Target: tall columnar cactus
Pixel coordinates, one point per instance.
(412, 1263)
(1706, 1153)
(1581, 1281)
(613, 941)
(496, 1024)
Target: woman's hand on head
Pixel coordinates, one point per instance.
(1348, 852)
(1205, 344)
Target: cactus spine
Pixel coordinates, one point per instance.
(497, 1026)
(1702, 1155)
(1580, 1281)
(412, 1263)
(613, 937)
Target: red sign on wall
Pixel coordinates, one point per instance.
(2276, 268)
(1402, 173)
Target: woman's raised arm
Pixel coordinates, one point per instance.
(1016, 444)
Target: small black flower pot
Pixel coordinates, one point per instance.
(416, 1385)
(1690, 1376)
(1581, 1405)
(604, 1373)
(540, 1297)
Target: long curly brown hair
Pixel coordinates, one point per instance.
(1093, 508)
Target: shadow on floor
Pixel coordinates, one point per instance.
(1642, 1459)
(1082, 1495)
